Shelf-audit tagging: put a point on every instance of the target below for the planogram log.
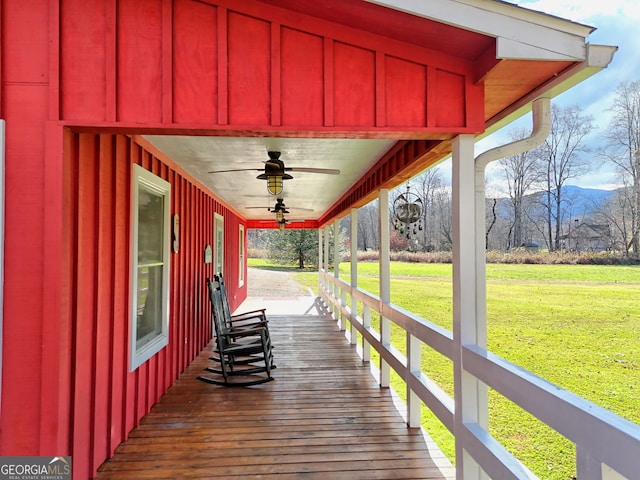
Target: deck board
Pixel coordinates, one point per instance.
(324, 417)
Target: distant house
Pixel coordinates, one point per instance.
(587, 237)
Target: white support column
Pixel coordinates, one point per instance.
(414, 357)
(326, 263)
(320, 260)
(385, 279)
(336, 274)
(469, 327)
(354, 271)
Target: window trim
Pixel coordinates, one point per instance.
(218, 250)
(155, 184)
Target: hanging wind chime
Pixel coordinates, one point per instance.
(407, 212)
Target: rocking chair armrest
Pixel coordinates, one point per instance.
(248, 325)
(251, 313)
(243, 332)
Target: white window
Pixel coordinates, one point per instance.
(150, 229)
(241, 256)
(218, 235)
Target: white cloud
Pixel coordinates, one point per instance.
(584, 11)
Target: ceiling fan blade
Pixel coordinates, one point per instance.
(238, 170)
(287, 207)
(327, 171)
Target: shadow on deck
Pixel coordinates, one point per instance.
(324, 417)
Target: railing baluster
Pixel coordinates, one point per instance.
(414, 367)
(366, 324)
(354, 313)
(587, 467)
(343, 303)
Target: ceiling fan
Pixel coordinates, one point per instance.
(281, 207)
(275, 172)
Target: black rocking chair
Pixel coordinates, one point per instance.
(243, 321)
(244, 354)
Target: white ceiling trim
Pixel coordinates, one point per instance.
(522, 33)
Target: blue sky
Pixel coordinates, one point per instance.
(617, 23)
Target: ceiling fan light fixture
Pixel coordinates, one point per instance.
(279, 215)
(274, 181)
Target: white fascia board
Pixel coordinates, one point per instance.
(510, 49)
(521, 31)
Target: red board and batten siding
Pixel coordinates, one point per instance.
(221, 65)
(107, 399)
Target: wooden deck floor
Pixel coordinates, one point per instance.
(324, 417)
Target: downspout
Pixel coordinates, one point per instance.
(541, 109)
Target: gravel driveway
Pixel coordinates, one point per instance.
(272, 283)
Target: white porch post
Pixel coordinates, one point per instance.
(469, 322)
(326, 263)
(385, 285)
(320, 260)
(340, 295)
(354, 271)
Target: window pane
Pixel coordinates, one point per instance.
(149, 296)
(150, 226)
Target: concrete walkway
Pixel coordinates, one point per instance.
(279, 293)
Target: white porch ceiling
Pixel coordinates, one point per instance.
(307, 196)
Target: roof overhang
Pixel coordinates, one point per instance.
(516, 55)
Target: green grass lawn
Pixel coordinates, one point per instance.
(577, 326)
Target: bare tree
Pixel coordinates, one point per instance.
(623, 150)
(443, 210)
(522, 173)
(561, 160)
(614, 213)
(368, 226)
(491, 220)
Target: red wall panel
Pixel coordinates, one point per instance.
(249, 80)
(406, 93)
(25, 30)
(139, 61)
(24, 108)
(354, 86)
(83, 28)
(451, 109)
(302, 78)
(195, 50)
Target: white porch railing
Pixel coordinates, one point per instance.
(607, 446)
